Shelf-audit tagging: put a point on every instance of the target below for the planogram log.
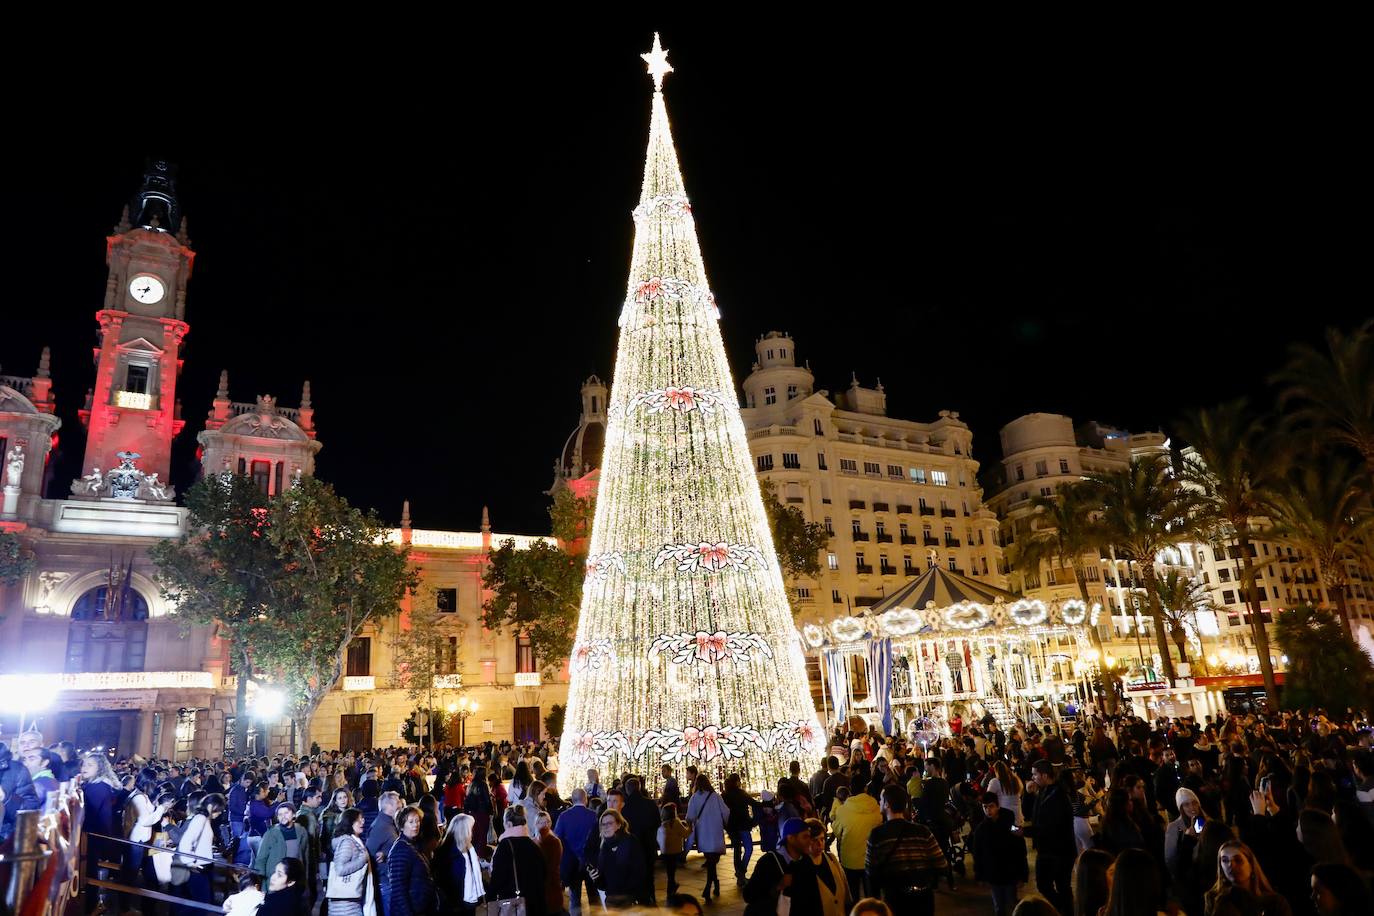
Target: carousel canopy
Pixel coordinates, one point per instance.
(941, 588)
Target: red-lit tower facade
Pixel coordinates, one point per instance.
(133, 407)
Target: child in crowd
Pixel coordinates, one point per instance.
(672, 843)
(768, 822)
(248, 899)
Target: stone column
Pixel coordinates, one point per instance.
(144, 744)
(167, 742)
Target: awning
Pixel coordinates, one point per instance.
(944, 588)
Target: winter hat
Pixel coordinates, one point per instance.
(766, 796)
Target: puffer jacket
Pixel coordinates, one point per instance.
(20, 794)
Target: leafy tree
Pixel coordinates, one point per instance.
(415, 726)
(419, 651)
(1062, 532)
(15, 562)
(339, 575)
(536, 591)
(1232, 466)
(1144, 509)
(553, 722)
(1322, 506)
(1325, 666)
(1180, 597)
(798, 542)
(572, 520)
(1332, 392)
(224, 572)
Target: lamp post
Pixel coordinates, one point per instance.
(462, 709)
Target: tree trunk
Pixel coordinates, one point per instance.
(1181, 640)
(245, 673)
(1108, 687)
(1342, 609)
(1257, 629)
(1147, 573)
(301, 727)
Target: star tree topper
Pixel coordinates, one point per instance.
(657, 59)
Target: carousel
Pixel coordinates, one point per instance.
(947, 645)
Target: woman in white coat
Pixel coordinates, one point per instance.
(707, 814)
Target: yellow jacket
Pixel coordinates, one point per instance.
(853, 822)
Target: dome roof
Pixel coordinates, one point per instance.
(582, 451)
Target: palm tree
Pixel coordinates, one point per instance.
(1233, 464)
(1062, 532)
(1144, 509)
(1180, 597)
(1322, 507)
(1333, 391)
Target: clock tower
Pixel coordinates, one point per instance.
(133, 406)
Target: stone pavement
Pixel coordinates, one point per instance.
(967, 899)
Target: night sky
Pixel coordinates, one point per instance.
(443, 250)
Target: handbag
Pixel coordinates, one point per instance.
(784, 904)
(347, 887)
(182, 867)
(513, 906)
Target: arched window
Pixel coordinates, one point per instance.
(95, 605)
(105, 636)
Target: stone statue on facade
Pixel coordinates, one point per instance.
(152, 488)
(14, 467)
(90, 485)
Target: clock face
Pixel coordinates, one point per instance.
(146, 289)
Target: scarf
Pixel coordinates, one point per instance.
(472, 877)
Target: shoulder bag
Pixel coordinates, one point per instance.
(513, 906)
(348, 887)
(784, 905)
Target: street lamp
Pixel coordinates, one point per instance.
(462, 709)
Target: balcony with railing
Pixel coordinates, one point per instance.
(930, 541)
(908, 539)
(953, 542)
(883, 538)
(239, 408)
(880, 507)
(857, 504)
(903, 509)
(927, 510)
(863, 569)
(859, 535)
(887, 570)
(946, 512)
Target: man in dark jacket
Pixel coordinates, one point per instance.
(16, 790)
(999, 855)
(643, 817)
(575, 828)
(1052, 830)
(903, 859)
(384, 832)
(740, 824)
(769, 879)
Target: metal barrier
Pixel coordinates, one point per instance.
(127, 890)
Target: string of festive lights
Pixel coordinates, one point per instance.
(686, 650)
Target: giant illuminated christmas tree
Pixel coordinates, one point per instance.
(686, 651)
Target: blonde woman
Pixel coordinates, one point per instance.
(1237, 867)
(457, 869)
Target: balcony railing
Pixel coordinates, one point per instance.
(880, 507)
(527, 679)
(887, 570)
(947, 513)
(927, 510)
(903, 509)
(857, 504)
(883, 538)
(137, 400)
(859, 535)
(360, 682)
(953, 542)
(908, 539)
(863, 569)
(931, 541)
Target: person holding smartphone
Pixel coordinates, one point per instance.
(1186, 882)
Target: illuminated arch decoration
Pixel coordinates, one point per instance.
(848, 629)
(966, 615)
(813, 635)
(901, 622)
(65, 595)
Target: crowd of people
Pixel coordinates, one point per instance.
(1111, 816)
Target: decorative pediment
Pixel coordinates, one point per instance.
(12, 401)
(264, 423)
(142, 346)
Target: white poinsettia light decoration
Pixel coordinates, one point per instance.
(592, 654)
(705, 557)
(1028, 612)
(966, 615)
(901, 622)
(848, 629)
(597, 747)
(794, 737)
(599, 566)
(709, 648)
(814, 635)
(704, 744)
(1073, 611)
(681, 399)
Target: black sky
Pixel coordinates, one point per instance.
(441, 247)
